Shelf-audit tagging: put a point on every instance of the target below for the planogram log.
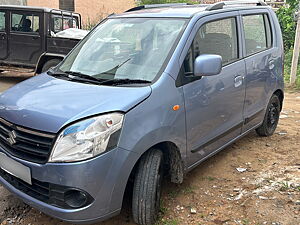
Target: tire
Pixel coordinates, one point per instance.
(49, 64)
(271, 118)
(147, 188)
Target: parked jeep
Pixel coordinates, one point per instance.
(28, 37)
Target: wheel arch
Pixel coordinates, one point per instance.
(280, 94)
(173, 163)
(44, 58)
(174, 166)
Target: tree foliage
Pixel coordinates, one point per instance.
(148, 2)
(287, 23)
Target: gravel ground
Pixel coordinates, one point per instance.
(255, 181)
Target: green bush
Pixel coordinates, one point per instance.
(148, 2)
(288, 27)
(287, 67)
(287, 23)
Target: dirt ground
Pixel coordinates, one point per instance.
(256, 181)
(8, 81)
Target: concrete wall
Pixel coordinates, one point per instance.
(92, 11)
(12, 2)
(44, 3)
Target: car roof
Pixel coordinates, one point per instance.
(34, 8)
(25, 8)
(180, 11)
(172, 11)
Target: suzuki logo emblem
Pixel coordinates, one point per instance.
(12, 137)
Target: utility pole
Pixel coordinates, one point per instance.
(296, 51)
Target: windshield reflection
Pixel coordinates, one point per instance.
(127, 48)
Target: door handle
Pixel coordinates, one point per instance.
(238, 81)
(35, 38)
(2, 37)
(271, 64)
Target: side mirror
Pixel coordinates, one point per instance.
(207, 65)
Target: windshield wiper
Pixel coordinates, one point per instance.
(113, 71)
(81, 75)
(70, 75)
(57, 74)
(77, 76)
(124, 81)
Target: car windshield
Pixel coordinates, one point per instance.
(125, 48)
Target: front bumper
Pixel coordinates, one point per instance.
(103, 177)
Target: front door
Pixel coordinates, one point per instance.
(214, 104)
(26, 39)
(3, 35)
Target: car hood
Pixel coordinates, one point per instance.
(47, 104)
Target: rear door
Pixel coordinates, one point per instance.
(260, 56)
(26, 37)
(3, 35)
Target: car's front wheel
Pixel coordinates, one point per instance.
(147, 188)
(271, 118)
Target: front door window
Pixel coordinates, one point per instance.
(25, 22)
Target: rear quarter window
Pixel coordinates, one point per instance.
(60, 23)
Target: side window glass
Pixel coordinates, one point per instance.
(268, 31)
(2, 21)
(188, 63)
(25, 22)
(257, 33)
(57, 24)
(16, 21)
(218, 37)
(60, 24)
(36, 24)
(70, 23)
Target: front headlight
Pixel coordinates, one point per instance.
(87, 138)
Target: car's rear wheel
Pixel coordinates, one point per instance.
(49, 64)
(147, 188)
(271, 118)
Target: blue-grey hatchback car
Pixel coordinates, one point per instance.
(148, 94)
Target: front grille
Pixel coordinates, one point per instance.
(24, 143)
(51, 194)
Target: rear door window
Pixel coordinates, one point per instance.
(2, 21)
(257, 33)
(21, 22)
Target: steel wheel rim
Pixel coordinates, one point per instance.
(273, 116)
